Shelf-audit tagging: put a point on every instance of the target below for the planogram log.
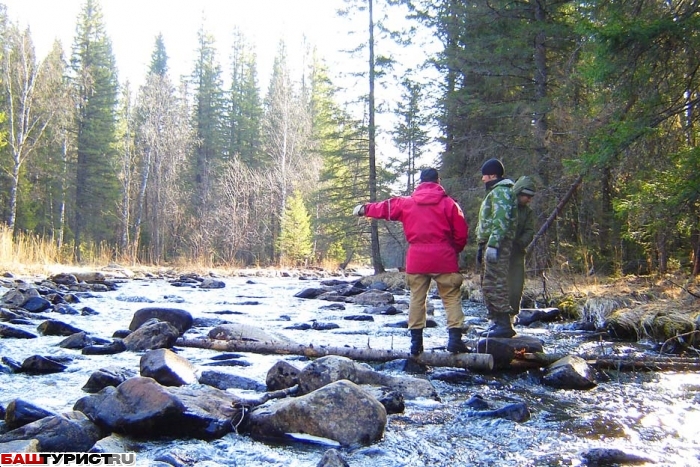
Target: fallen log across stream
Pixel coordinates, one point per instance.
(610, 362)
(472, 361)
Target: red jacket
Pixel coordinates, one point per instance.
(434, 226)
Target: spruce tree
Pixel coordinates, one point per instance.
(94, 77)
(295, 235)
(209, 124)
(159, 58)
(341, 144)
(245, 107)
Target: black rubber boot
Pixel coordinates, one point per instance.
(454, 343)
(502, 326)
(416, 342)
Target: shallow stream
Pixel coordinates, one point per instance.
(654, 415)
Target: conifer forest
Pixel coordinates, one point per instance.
(597, 100)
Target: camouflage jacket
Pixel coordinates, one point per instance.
(497, 215)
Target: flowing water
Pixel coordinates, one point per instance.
(654, 415)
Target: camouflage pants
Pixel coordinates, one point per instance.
(494, 282)
(449, 288)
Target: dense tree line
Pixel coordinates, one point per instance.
(601, 95)
(597, 99)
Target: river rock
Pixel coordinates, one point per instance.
(41, 364)
(527, 316)
(332, 458)
(12, 332)
(110, 348)
(152, 336)
(63, 278)
(36, 304)
(53, 327)
(393, 401)
(326, 370)
(600, 457)
(225, 381)
(168, 368)
(181, 319)
(518, 412)
(69, 432)
(373, 298)
(209, 283)
(21, 445)
(282, 375)
(13, 298)
(79, 340)
(341, 411)
(142, 407)
(570, 372)
(311, 292)
(109, 376)
(20, 412)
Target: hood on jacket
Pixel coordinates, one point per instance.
(428, 193)
(524, 186)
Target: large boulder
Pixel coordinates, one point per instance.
(142, 407)
(341, 411)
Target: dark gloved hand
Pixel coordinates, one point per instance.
(480, 254)
(491, 254)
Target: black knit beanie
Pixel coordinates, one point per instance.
(429, 175)
(492, 167)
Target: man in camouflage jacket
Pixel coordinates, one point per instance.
(494, 233)
(523, 190)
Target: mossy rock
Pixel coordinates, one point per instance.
(570, 308)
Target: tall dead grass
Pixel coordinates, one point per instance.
(33, 254)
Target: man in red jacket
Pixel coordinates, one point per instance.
(436, 231)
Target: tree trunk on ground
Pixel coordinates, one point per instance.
(646, 363)
(473, 361)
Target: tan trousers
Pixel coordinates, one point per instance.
(448, 286)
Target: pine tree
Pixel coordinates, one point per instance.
(95, 81)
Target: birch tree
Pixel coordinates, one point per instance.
(164, 139)
(27, 115)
